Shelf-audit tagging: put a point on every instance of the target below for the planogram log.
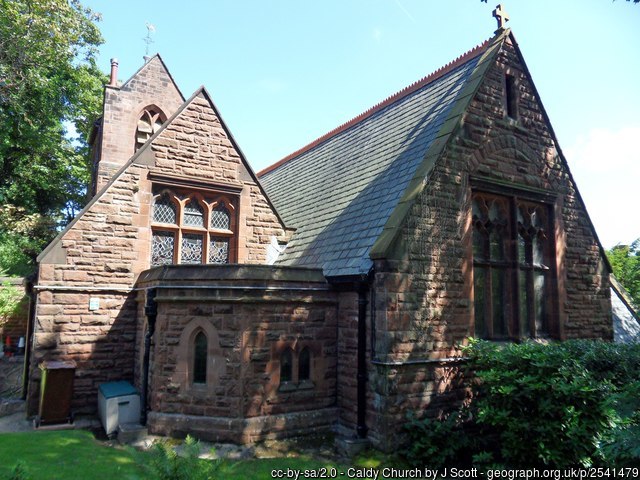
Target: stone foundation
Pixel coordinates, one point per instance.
(243, 430)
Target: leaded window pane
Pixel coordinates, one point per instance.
(200, 359)
(164, 210)
(162, 248)
(219, 250)
(193, 214)
(220, 218)
(191, 248)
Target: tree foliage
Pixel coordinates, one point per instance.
(50, 90)
(625, 262)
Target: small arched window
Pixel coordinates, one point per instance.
(164, 210)
(304, 365)
(149, 123)
(286, 366)
(200, 358)
(193, 214)
(220, 218)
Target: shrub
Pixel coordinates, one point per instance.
(167, 464)
(570, 404)
(437, 443)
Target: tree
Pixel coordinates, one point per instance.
(625, 262)
(50, 86)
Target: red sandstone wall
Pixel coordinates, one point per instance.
(103, 251)
(424, 297)
(247, 331)
(16, 325)
(151, 85)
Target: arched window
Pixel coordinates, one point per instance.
(200, 358)
(304, 365)
(513, 269)
(220, 218)
(149, 123)
(164, 210)
(286, 366)
(192, 228)
(193, 214)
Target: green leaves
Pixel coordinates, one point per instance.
(625, 262)
(48, 82)
(570, 404)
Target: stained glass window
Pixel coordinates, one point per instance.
(219, 250)
(220, 218)
(193, 214)
(191, 228)
(200, 358)
(511, 248)
(164, 210)
(162, 248)
(191, 248)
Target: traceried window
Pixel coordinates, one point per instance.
(200, 358)
(149, 123)
(192, 228)
(512, 268)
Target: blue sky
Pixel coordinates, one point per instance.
(283, 73)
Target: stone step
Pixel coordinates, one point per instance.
(129, 433)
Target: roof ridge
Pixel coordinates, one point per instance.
(435, 75)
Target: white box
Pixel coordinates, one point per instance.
(118, 403)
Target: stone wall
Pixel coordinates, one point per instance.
(15, 326)
(123, 105)
(424, 306)
(249, 316)
(103, 251)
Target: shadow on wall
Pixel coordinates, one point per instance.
(97, 331)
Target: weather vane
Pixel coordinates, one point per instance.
(148, 40)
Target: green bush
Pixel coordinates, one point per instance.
(570, 404)
(167, 464)
(437, 443)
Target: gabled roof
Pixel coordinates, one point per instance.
(137, 72)
(342, 191)
(140, 157)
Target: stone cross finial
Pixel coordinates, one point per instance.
(501, 16)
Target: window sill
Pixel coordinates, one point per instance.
(286, 387)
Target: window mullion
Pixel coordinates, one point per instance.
(513, 292)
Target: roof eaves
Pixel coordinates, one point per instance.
(442, 71)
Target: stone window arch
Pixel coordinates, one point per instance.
(149, 122)
(192, 228)
(199, 342)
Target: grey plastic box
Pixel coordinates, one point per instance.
(118, 403)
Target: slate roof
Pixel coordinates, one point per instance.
(340, 191)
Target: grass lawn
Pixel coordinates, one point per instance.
(75, 454)
(66, 454)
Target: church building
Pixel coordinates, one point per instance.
(331, 291)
